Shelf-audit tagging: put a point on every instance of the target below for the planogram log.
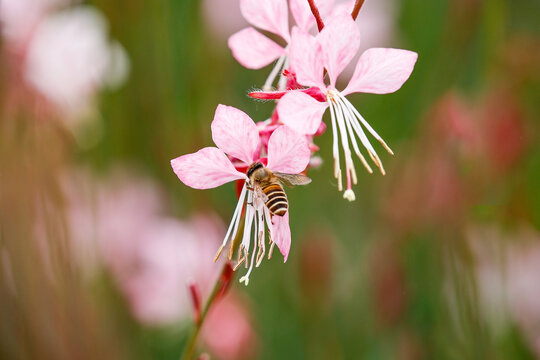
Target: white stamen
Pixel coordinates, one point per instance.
(349, 195)
(250, 214)
(271, 250)
(275, 71)
(360, 132)
(239, 262)
(366, 124)
(245, 278)
(268, 220)
(235, 221)
(262, 246)
(349, 166)
(349, 118)
(335, 146)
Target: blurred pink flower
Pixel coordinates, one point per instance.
(107, 216)
(228, 330)
(235, 133)
(119, 223)
(18, 18)
(223, 26)
(431, 178)
(378, 71)
(507, 267)
(523, 288)
(168, 257)
(69, 58)
(153, 259)
(501, 134)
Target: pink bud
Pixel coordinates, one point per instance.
(195, 294)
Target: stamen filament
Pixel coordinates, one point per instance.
(275, 71)
(249, 220)
(366, 124)
(235, 221)
(262, 249)
(349, 166)
(245, 278)
(271, 249)
(239, 263)
(335, 146)
(349, 118)
(360, 132)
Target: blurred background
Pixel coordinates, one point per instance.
(439, 259)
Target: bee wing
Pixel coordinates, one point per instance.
(292, 179)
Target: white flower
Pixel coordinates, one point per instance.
(70, 57)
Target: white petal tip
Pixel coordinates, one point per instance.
(349, 195)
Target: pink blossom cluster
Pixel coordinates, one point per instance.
(303, 83)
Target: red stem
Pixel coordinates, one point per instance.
(315, 11)
(357, 5)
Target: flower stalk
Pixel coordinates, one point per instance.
(316, 14)
(357, 6)
(219, 289)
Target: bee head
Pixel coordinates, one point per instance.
(254, 171)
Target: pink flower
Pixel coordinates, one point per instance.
(235, 133)
(166, 258)
(120, 223)
(254, 50)
(378, 71)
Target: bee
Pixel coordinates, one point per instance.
(270, 182)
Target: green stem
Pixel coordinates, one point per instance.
(190, 347)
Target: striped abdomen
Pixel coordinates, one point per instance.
(277, 200)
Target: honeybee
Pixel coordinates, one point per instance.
(270, 182)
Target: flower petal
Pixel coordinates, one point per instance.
(281, 234)
(205, 169)
(306, 58)
(252, 49)
(302, 13)
(339, 41)
(234, 132)
(288, 151)
(301, 112)
(381, 71)
(270, 15)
